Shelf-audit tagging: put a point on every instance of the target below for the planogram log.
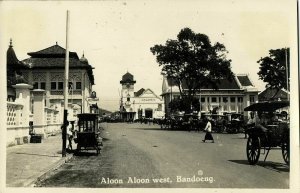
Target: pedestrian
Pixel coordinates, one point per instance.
(208, 128)
(69, 135)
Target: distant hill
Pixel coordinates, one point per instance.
(101, 111)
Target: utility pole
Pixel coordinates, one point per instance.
(287, 74)
(66, 82)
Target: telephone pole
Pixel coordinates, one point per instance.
(66, 82)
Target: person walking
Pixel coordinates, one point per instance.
(208, 128)
(69, 135)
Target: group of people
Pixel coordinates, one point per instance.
(259, 120)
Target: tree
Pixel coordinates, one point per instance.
(179, 104)
(274, 69)
(193, 62)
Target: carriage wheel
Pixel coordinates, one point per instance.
(285, 150)
(253, 149)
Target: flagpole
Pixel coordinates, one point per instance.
(66, 83)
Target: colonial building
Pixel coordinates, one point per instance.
(45, 70)
(230, 97)
(35, 92)
(141, 104)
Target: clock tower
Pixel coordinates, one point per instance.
(127, 83)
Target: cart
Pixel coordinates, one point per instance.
(273, 135)
(235, 123)
(88, 135)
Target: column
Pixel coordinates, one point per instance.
(39, 115)
(23, 97)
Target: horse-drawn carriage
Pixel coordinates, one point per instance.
(235, 122)
(88, 134)
(271, 134)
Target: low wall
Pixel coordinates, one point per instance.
(17, 135)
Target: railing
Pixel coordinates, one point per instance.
(14, 113)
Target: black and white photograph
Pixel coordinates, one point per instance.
(114, 95)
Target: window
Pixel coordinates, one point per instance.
(71, 85)
(232, 99)
(78, 85)
(128, 99)
(214, 99)
(202, 99)
(53, 86)
(159, 107)
(60, 85)
(225, 99)
(252, 98)
(35, 85)
(240, 99)
(43, 85)
(39, 85)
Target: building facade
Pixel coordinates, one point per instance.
(45, 70)
(141, 104)
(35, 100)
(230, 97)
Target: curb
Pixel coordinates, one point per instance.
(48, 171)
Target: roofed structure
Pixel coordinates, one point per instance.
(54, 57)
(271, 94)
(127, 78)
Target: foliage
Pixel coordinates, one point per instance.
(193, 62)
(273, 68)
(183, 104)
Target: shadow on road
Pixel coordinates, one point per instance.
(278, 167)
(38, 154)
(86, 153)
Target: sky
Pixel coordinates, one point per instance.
(116, 36)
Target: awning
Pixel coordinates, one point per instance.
(267, 106)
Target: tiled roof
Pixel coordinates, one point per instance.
(244, 80)
(54, 57)
(12, 60)
(223, 84)
(54, 63)
(53, 51)
(139, 92)
(127, 78)
(268, 93)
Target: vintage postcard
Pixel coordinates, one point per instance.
(134, 95)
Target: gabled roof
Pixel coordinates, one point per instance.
(139, 92)
(224, 84)
(52, 51)
(244, 80)
(268, 95)
(143, 91)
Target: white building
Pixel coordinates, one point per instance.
(143, 103)
(230, 97)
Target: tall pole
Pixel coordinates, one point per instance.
(66, 83)
(287, 74)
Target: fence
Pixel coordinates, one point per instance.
(18, 130)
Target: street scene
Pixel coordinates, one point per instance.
(145, 156)
(112, 94)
